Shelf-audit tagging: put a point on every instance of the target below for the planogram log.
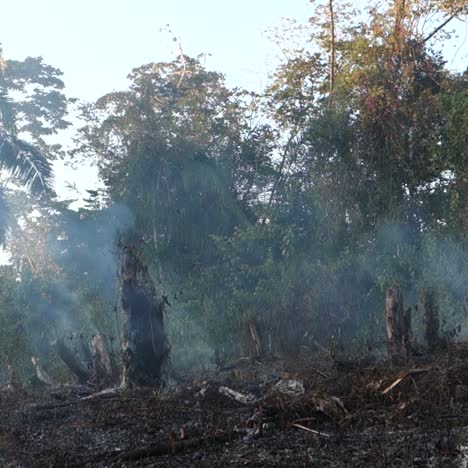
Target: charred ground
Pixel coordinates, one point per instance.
(309, 410)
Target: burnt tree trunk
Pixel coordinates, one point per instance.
(145, 349)
(397, 321)
(428, 307)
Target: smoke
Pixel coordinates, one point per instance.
(68, 285)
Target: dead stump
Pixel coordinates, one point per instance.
(145, 349)
(397, 322)
(430, 316)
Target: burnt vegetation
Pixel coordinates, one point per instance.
(261, 279)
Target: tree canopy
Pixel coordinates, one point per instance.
(293, 209)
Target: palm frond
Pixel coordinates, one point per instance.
(7, 114)
(26, 163)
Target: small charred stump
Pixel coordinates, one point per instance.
(145, 349)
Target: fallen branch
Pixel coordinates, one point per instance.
(403, 377)
(175, 447)
(325, 376)
(157, 450)
(308, 429)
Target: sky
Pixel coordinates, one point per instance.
(96, 43)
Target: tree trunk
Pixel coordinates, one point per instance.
(145, 349)
(398, 323)
(430, 317)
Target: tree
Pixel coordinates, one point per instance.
(179, 150)
(36, 111)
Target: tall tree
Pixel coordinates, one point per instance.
(32, 106)
(179, 149)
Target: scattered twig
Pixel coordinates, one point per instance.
(313, 431)
(403, 377)
(325, 376)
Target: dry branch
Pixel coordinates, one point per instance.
(42, 375)
(308, 429)
(402, 377)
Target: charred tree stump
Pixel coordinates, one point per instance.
(397, 321)
(428, 307)
(145, 349)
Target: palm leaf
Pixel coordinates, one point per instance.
(26, 163)
(7, 114)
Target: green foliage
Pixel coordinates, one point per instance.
(293, 211)
(32, 106)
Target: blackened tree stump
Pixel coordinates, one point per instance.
(145, 348)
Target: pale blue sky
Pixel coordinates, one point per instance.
(97, 42)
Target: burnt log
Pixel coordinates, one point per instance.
(145, 348)
(397, 321)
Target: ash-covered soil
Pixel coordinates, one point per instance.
(305, 411)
